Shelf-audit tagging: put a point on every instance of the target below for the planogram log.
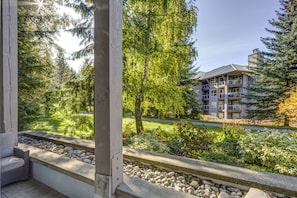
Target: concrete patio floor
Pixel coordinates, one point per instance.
(29, 189)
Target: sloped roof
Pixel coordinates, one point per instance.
(224, 70)
(199, 75)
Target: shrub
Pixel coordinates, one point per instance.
(148, 143)
(80, 126)
(129, 130)
(174, 145)
(193, 139)
(271, 149)
(233, 133)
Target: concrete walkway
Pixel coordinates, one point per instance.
(29, 189)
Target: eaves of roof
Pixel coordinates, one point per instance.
(224, 70)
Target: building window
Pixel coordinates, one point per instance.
(214, 93)
(212, 82)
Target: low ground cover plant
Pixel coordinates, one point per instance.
(271, 149)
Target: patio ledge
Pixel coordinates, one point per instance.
(74, 178)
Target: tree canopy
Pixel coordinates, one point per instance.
(157, 53)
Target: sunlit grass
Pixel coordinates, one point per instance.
(150, 125)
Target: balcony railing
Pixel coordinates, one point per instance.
(205, 107)
(234, 107)
(205, 97)
(221, 107)
(205, 86)
(234, 95)
(234, 82)
(222, 96)
(221, 83)
(213, 84)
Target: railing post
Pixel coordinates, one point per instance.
(108, 97)
(8, 68)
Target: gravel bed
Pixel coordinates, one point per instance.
(171, 179)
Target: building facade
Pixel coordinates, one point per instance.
(221, 90)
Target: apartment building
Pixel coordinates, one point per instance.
(222, 89)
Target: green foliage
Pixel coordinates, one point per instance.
(148, 143)
(36, 35)
(194, 139)
(233, 134)
(80, 126)
(274, 76)
(129, 129)
(273, 150)
(174, 144)
(157, 51)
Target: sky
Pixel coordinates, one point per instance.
(228, 30)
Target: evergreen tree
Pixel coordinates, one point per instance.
(192, 103)
(62, 75)
(274, 74)
(37, 26)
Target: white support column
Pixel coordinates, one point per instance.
(8, 68)
(226, 99)
(108, 97)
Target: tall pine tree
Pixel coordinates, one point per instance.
(37, 26)
(274, 74)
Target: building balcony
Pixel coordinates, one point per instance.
(205, 87)
(221, 107)
(205, 97)
(234, 95)
(234, 83)
(222, 97)
(205, 107)
(234, 108)
(222, 83)
(213, 84)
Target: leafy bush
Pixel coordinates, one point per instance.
(271, 149)
(129, 130)
(233, 133)
(173, 143)
(148, 143)
(80, 126)
(193, 139)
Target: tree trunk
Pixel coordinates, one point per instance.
(286, 121)
(138, 115)
(139, 96)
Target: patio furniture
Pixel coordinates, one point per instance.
(14, 161)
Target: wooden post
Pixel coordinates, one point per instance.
(8, 68)
(108, 97)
